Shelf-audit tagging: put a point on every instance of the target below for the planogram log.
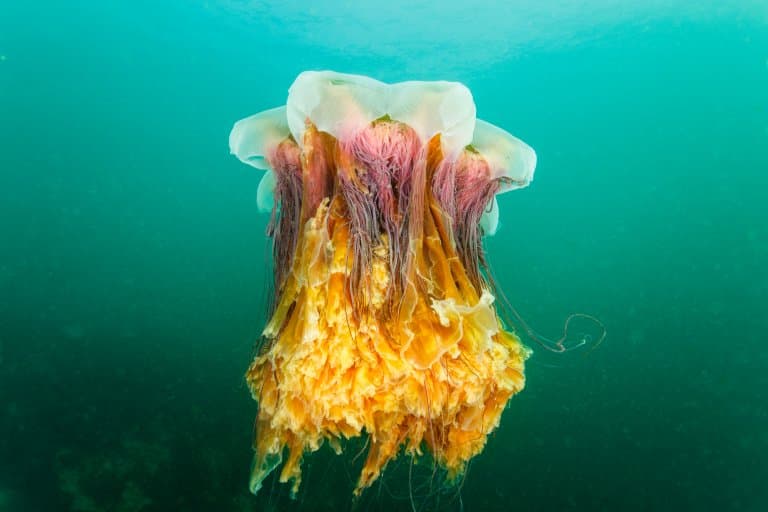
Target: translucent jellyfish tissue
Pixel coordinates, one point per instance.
(383, 322)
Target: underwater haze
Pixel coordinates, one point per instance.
(135, 272)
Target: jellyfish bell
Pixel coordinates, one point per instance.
(336, 103)
(489, 222)
(511, 160)
(383, 323)
(343, 105)
(251, 137)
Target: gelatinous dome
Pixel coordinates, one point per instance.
(342, 105)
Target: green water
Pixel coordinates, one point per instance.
(134, 265)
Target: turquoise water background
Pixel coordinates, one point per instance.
(134, 265)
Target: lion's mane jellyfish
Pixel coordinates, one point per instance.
(383, 322)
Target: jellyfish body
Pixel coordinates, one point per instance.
(383, 322)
